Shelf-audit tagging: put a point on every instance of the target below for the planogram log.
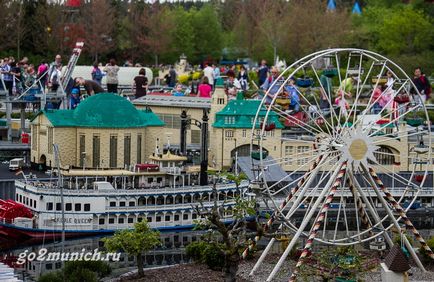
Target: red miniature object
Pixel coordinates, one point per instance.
(73, 3)
(296, 119)
(269, 126)
(10, 210)
(382, 121)
(25, 138)
(418, 177)
(319, 121)
(147, 167)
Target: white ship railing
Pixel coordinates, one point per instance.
(206, 204)
(42, 187)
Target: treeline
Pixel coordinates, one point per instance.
(161, 32)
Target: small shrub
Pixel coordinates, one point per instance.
(195, 250)
(214, 257)
(424, 254)
(210, 254)
(101, 268)
(54, 276)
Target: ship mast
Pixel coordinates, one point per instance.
(59, 184)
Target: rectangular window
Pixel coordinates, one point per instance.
(113, 151)
(244, 133)
(77, 207)
(302, 158)
(167, 218)
(130, 220)
(122, 204)
(229, 133)
(101, 221)
(82, 149)
(34, 137)
(86, 207)
(176, 217)
(158, 218)
(68, 207)
(49, 206)
(170, 120)
(50, 140)
(185, 216)
(121, 220)
(111, 220)
(289, 154)
(127, 150)
(112, 204)
(149, 219)
(95, 151)
(132, 204)
(195, 136)
(139, 148)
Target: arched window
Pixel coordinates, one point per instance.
(384, 156)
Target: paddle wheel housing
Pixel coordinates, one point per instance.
(9, 210)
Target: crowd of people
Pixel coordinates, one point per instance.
(20, 77)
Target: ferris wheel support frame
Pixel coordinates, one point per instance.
(303, 225)
(392, 217)
(335, 136)
(373, 212)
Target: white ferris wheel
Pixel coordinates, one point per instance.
(353, 103)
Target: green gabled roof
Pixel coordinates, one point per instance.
(103, 110)
(241, 113)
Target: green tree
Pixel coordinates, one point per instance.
(182, 35)
(207, 33)
(233, 238)
(134, 242)
(405, 30)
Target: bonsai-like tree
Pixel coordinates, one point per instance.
(134, 242)
(233, 237)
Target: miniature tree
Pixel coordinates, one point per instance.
(134, 242)
(233, 237)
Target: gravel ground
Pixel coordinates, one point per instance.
(196, 272)
(180, 273)
(265, 269)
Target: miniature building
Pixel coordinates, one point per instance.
(231, 130)
(104, 131)
(169, 109)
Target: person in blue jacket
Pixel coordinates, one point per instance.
(75, 98)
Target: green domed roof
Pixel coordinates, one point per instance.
(104, 110)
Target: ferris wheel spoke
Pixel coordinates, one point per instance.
(395, 111)
(328, 126)
(328, 95)
(312, 130)
(372, 103)
(376, 182)
(394, 120)
(383, 140)
(370, 205)
(298, 140)
(294, 158)
(305, 189)
(341, 92)
(300, 168)
(320, 219)
(357, 92)
(396, 177)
